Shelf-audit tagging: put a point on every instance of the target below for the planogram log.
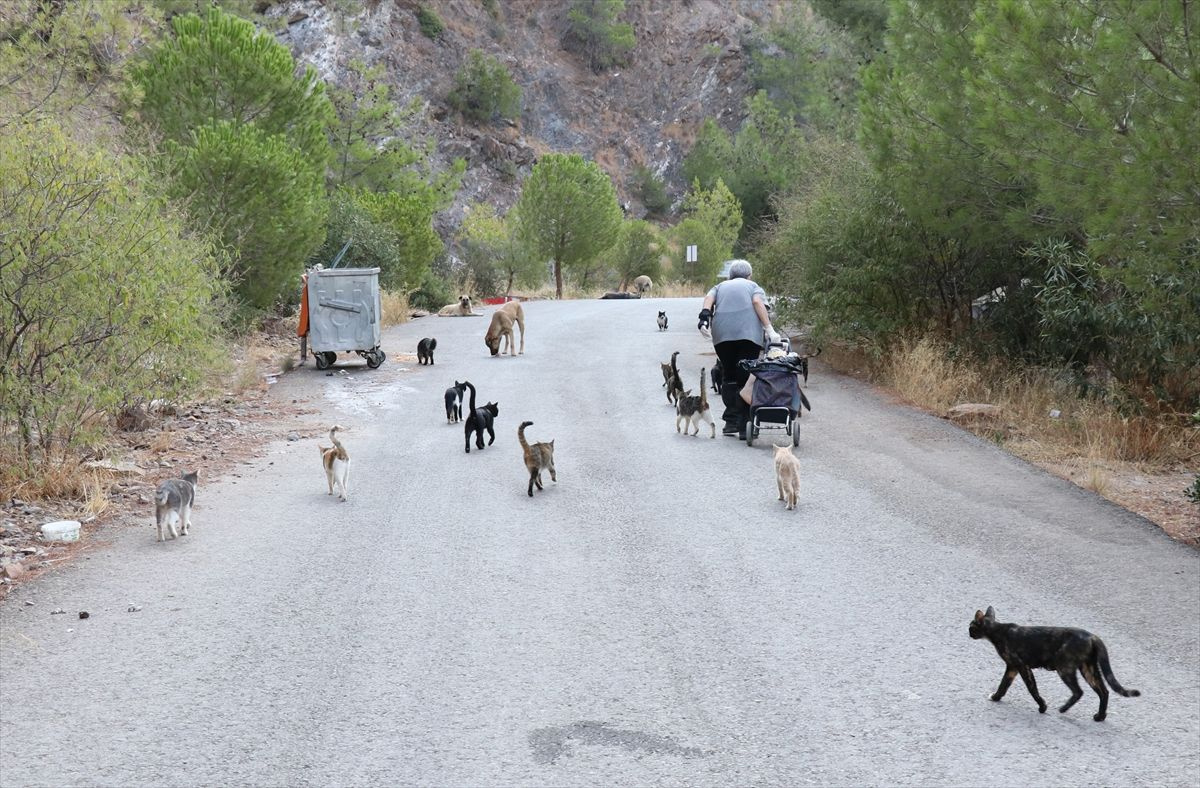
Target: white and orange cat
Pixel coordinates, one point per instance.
(337, 465)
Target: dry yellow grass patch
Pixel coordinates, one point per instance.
(394, 307)
(927, 373)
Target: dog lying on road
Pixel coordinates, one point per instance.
(461, 309)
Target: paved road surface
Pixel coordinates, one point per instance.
(656, 617)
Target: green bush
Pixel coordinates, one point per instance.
(105, 299)
(1193, 491)
(593, 29)
(431, 25)
(433, 293)
(652, 191)
(484, 91)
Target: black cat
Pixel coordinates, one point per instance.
(454, 396)
(1053, 648)
(480, 419)
(425, 350)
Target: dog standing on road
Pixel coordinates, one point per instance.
(502, 328)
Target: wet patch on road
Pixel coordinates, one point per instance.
(550, 744)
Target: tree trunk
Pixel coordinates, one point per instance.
(558, 280)
(508, 290)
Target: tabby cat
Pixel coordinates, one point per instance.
(537, 457)
(673, 382)
(1053, 648)
(691, 410)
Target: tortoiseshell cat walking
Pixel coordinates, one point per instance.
(1053, 648)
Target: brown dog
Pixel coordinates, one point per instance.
(502, 327)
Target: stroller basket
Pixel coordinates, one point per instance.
(776, 388)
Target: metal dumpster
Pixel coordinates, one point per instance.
(341, 313)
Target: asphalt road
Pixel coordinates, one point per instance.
(654, 618)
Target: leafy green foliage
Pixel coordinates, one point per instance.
(568, 212)
(712, 221)
(432, 293)
(495, 254)
(373, 148)
(105, 299)
(762, 159)
(1192, 491)
(245, 145)
(593, 29)
(218, 67)
(809, 72)
(484, 91)
(1000, 129)
(637, 252)
(652, 191)
(257, 196)
(429, 22)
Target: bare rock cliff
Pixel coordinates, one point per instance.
(689, 64)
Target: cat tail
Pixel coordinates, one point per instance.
(521, 435)
(468, 384)
(675, 368)
(1106, 669)
(703, 392)
(333, 437)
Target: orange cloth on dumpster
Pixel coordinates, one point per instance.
(302, 328)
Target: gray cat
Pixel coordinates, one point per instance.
(173, 504)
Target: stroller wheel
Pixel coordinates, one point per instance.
(750, 432)
(796, 432)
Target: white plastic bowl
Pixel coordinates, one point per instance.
(61, 531)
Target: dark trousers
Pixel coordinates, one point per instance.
(730, 353)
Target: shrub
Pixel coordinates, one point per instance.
(593, 29)
(431, 25)
(652, 191)
(433, 294)
(105, 300)
(484, 91)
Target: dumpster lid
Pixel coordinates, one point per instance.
(345, 271)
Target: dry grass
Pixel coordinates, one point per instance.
(394, 307)
(678, 290)
(926, 373)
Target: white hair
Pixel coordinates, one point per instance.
(740, 270)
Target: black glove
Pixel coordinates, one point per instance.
(705, 319)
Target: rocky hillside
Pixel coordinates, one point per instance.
(689, 64)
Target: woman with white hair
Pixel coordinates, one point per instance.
(736, 311)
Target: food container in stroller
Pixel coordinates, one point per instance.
(776, 398)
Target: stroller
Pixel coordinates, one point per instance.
(777, 398)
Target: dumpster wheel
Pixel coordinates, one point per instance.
(325, 359)
(375, 358)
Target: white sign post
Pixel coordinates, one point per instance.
(691, 254)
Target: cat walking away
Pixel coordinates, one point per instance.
(1053, 648)
(691, 410)
(425, 350)
(336, 462)
(454, 396)
(662, 321)
(673, 383)
(173, 504)
(787, 476)
(538, 457)
(480, 419)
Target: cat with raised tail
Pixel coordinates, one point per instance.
(538, 457)
(336, 462)
(691, 410)
(671, 380)
(1060, 649)
(480, 419)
